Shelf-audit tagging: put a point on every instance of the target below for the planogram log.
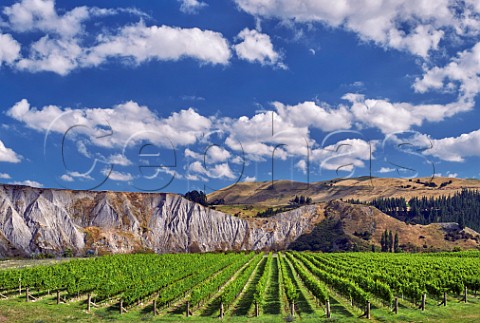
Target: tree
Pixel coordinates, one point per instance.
(390, 241)
(461, 220)
(302, 199)
(383, 242)
(395, 243)
(197, 197)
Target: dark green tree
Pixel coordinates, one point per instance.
(395, 243)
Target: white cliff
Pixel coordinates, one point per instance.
(49, 221)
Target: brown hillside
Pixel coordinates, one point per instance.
(349, 225)
(363, 188)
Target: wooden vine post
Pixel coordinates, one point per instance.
(424, 296)
(292, 309)
(221, 310)
(329, 314)
(367, 313)
(27, 294)
(465, 294)
(187, 309)
(395, 308)
(58, 296)
(444, 298)
(257, 311)
(89, 302)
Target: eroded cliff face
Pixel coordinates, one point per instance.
(51, 221)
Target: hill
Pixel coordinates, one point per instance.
(357, 227)
(362, 188)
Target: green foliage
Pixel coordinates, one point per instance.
(197, 197)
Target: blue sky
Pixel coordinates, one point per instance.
(177, 95)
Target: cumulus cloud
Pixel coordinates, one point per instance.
(344, 155)
(257, 47)
(142, 43)
(463, 70)
(416, 27)
(249, 179)
(66, 178)
(456, 149)
(309, 114)
(4, 176)
(392, 117)
(27, 183)
(117, 176)
(9, 49)
(119, 159)
(384, 170)
(218, 171)
(8, 155)
(191, 6)
(66, 46)
(114, 127)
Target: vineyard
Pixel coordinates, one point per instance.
(247, 286)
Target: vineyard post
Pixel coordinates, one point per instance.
(424, 296)
(188, 309)
(444, 298)
(58, 296)
(26, 293)
(89, 301)
(154, 307)
(465, 294)
(368, 310)
(19, 287)
(257, 313)
(121, 306)
(329, 314)
(292, 308)
(221, 310)
(395, 309)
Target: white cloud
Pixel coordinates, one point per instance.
(40, 15)
(83, 176)
(60, 56)
(191, 6)
(257, 47)
(344, 155)
(302, 166)
(8, 155)
(250, 179)
(9, 49)
(452, 175)
(27, 183)
(463, 69)
(141, 43)
(219, 171)
(456, 149)
(384, 170)
(392, 117)
(117, 176)
(65, 46)
(4, 176)
(66, 178)
(413, 26)
(119, 159)
(309, 114)
(128, 121)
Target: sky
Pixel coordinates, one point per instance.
(175, 95)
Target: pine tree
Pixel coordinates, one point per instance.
(302, 200)
(390, 241)
(395, 243)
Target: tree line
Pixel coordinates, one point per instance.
(462, 207)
